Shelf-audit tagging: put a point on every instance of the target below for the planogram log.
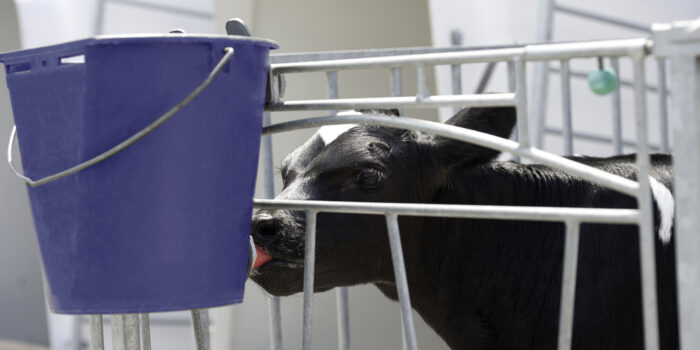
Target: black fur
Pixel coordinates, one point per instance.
(481, 284)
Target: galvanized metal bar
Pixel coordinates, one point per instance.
(618, 143)
(200, 324)
(620, 81)
(422, 81)
(97, 338)
(566, 123)
(644, 201)
(341, 292)
(278, 58)
(485, 78)
(685, 108)
(343, 318)
(488, 100)
(145, 331)
(125, 332)
(589, 215)
(588, 136)
(603, 18)
(273, 303)
(99, 17)
(309, 266)
(568, 286)
(396, 83)
(467, 135)
(663, 106)
(521, 102)
(275, 320)
(332, 87)
(511, 88)
(540, 83)
(456, 69)
(537, 52)
(409, 332)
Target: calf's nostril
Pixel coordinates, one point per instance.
(265, 226)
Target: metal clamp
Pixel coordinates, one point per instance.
(126, 143)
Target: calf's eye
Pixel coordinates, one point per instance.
(370, 179)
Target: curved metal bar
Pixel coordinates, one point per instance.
(128, 142)
(600, 177)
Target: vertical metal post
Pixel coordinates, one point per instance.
(545, 20)
(646, 234)
(125, 332)
(332, 80)
(343, 319)
(200, 323)
(685, 74)
(521, 102)
(567, 127)
(423, 90)
(456, 69)
(341, 292)
(145, 331)
(397, 260)
(97, 338)
(568, 285)
(99, 16)
(617, 110)
(309, 264)
(396, 88)
(511, 88)
(663, 106)
(273, 305)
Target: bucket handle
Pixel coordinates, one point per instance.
(228, 53)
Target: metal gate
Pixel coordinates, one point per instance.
(680, 43)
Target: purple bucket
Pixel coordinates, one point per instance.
(164, 224)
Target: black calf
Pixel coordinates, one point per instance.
(481, 284)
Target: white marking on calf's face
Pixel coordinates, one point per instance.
(331, 132)
(666, 204)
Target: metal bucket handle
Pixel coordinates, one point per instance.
(228, 53)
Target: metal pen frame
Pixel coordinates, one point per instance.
(516, 57)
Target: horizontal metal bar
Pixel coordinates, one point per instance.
(600, 177)
(583, 75)
(158, 7)
(589, 215)
(487, 100)
(598, 138)
(278, 58)
(537, 52)
(603, 18)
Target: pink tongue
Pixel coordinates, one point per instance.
(262, 257)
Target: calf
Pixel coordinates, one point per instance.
(480, 284)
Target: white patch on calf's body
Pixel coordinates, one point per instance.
(666, 204)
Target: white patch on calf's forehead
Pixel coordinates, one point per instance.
(329, 133)
(666, 204)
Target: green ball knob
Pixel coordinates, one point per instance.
(603, 81)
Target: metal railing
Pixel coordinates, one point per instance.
(516, 58)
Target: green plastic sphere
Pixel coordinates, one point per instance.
(602, 82)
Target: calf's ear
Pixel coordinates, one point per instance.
(497, 121)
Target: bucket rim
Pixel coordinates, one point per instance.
(125, 38)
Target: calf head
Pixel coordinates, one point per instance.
(364, 164)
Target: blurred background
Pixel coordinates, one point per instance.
(300, 26)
